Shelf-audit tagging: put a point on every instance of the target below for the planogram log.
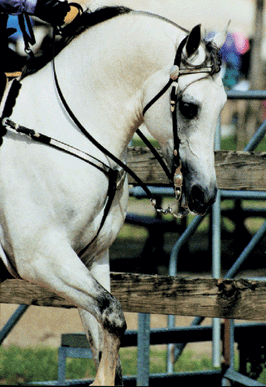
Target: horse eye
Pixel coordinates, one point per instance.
(188, 110)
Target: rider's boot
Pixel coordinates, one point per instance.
(3, 82)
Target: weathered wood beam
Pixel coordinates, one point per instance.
(234, 170)
(237, 299)
(241, 170)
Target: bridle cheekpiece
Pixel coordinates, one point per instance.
(176, 176)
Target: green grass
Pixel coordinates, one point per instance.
(189, 361)
(19, 366)
(26, 365)
(229, 143)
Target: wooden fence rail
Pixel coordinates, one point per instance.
(238, 299)
(234, 170)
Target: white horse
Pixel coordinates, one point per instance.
(52, 204)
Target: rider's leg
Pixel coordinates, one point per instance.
(3, 50)
(3, 82)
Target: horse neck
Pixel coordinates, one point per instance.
(118, 58)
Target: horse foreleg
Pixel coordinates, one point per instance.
(96, 337)
(108, 363)
(59, 269)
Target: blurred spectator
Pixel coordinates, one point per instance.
(236, 45)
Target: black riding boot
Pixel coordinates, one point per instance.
(3, 51)
(3, 82)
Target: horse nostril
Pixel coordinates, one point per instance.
(197, 200)
(197, 194)
(200, 199)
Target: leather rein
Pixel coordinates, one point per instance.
(177, 179)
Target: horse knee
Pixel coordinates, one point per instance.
(113, 319)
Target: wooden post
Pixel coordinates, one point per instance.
(226, 349)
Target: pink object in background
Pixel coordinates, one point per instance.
(241, 42)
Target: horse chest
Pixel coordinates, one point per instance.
(108, 232)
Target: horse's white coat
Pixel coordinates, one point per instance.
(52, 203)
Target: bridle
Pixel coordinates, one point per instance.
(175, 176)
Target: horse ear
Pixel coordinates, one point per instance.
(220, 38)
(193, 41)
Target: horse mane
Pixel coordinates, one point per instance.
(213, 59)
(80, 24)
(89, 19)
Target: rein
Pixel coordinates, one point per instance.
(110, 155)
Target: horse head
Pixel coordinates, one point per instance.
(200, 97)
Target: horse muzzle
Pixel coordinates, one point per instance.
(199, 198)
